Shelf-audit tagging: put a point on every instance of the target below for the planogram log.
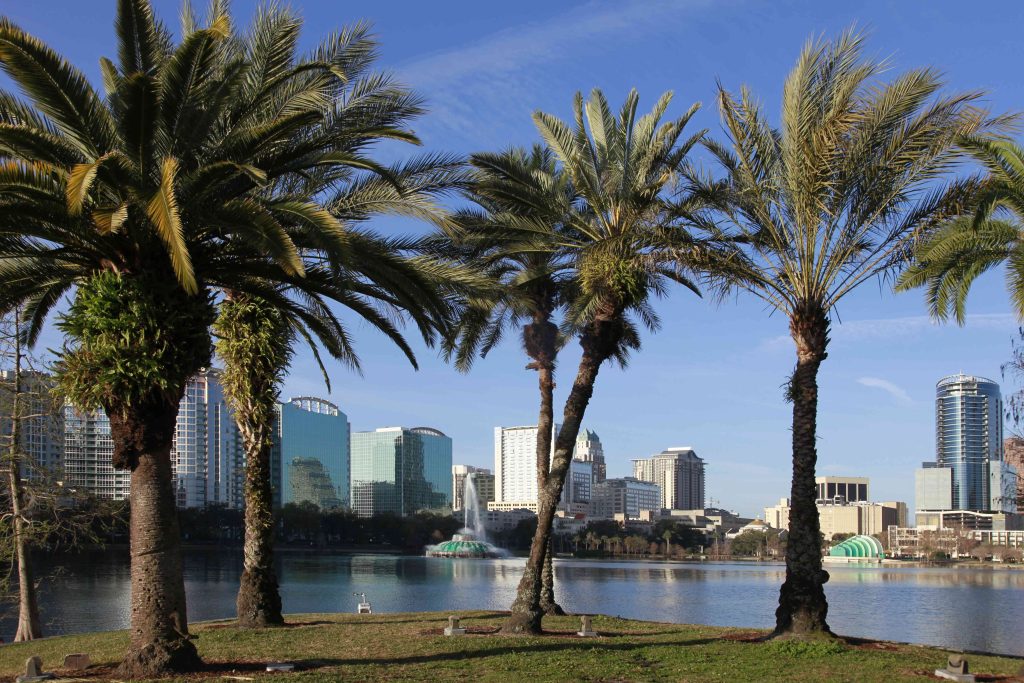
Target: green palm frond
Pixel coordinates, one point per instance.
(839, 192)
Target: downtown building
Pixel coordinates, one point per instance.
(309, 457)
(515, 473)
(589, 449)
(626, 498)
(401, 471)
(42, 424)
(483, 483)
(969, 484)
(844, 507)
(679, 472)
(207, 457)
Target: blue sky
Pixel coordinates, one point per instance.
(712, 377)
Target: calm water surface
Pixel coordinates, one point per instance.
(950, 607)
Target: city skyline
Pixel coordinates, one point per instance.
(730, 360)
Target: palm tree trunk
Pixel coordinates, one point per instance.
(259, 601)
(547, 593)
(255, 347)
(802, 604)
(160, 643)
(29, 625)
(541, 341)
(598, 343)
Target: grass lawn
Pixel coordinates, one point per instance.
(410, 647)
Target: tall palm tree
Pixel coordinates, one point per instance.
(143, 204)
(615, 240)
(369, 275)
(948, 260)
(822, 204)
(523, 200)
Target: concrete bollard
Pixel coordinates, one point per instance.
(34, 671)
(453, 628)
(586, 627)
(956, 670)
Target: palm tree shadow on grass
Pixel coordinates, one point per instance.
(515, 646)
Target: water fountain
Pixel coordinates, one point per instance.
(471, 541)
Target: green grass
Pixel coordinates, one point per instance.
(409, 647)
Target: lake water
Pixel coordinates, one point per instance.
(960, 608)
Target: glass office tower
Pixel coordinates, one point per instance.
(310, 456)
(401, 471)
(969, 435)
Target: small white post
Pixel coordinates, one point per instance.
(453, 628)
(586, 628)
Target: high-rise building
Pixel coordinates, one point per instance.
(968, 436)
(88, 450)
(42, 424)
(680, 474)
(515, 472)
(589, 449)
(968, 452)
(207, 457)
(401, 471)
(628, 496)
(515, 462)
(310, 454)
(459, 475)
(842, 489)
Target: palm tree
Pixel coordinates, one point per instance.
(523, 200)
(668, 543)
(949, 259)
(615, 239)
(364, 273)
(144, 203)
(821, 205)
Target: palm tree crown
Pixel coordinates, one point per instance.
(949, 259)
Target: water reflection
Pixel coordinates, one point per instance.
(954, 607)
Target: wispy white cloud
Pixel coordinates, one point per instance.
(895, 328)
(894, 390)
(475, 90)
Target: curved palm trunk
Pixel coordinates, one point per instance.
(540, 339)
(802, 605)
(598, 343)
(159, 625)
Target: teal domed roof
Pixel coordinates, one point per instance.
(463, 545)
(858, 546)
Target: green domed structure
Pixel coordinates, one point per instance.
(859, 547)
(463, 545)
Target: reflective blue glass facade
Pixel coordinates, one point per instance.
(310, 456)
(969, 434)
(401, 471)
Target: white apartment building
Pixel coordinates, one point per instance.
(42, 424)
(207, 458)
(515, 473)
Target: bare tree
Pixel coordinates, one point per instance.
(35, 508)
(15, 407)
